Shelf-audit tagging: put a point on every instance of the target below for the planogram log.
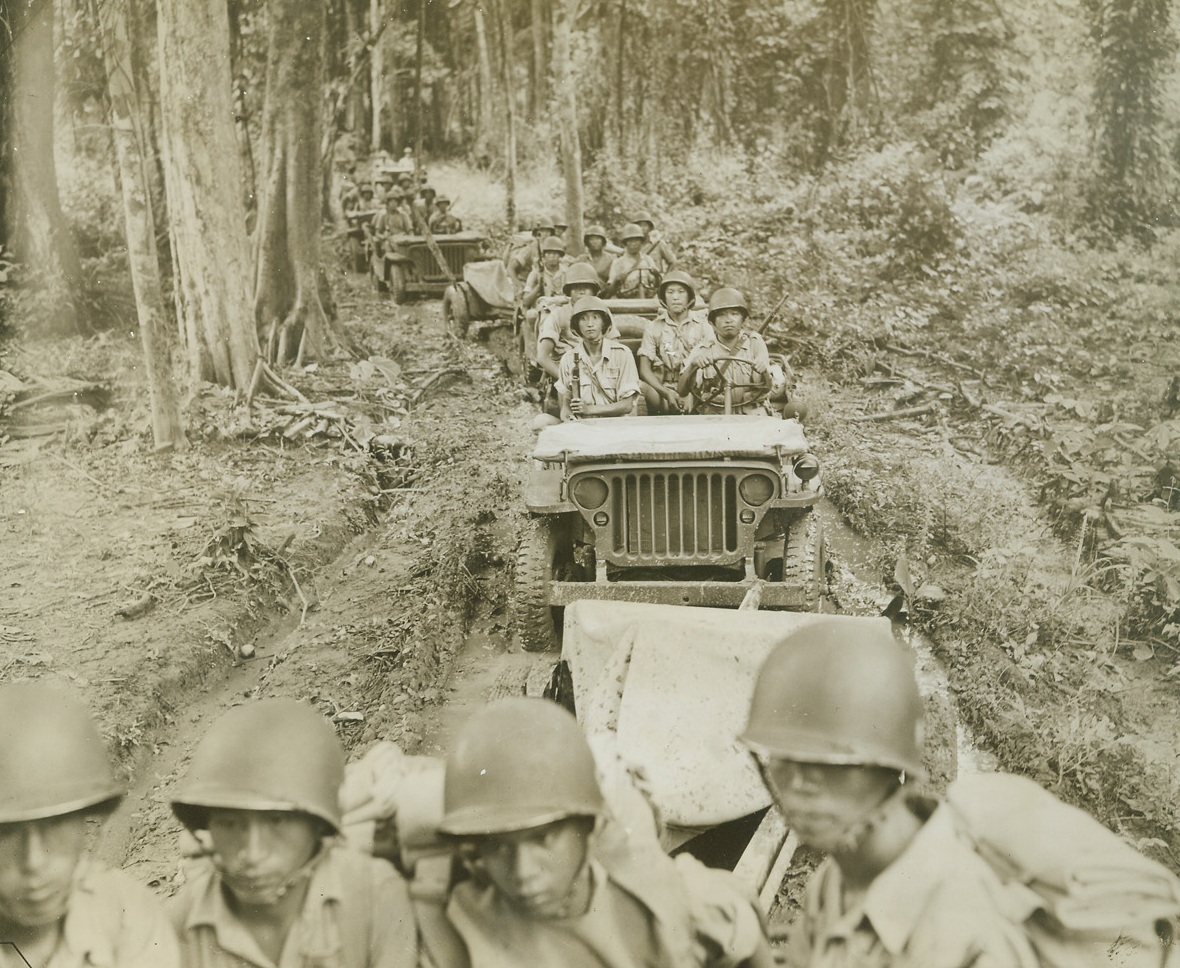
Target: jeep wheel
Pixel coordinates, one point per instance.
(803, 559)
(375, 269)
(397, 283)
(456, 315)
(544, 555)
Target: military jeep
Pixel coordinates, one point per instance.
(407, 267)
(682, 510)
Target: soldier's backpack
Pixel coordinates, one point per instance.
(1084, 891)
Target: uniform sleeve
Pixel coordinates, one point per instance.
(628, 377)
(548, 328)
(647, 346)
(760, 355)
(725, 918)
(617, 271)
(394, 939)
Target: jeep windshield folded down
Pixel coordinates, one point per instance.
(689, 510)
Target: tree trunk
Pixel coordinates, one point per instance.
(241, 111)
(40, 232)
(419, 54)
(376, 75)
(504, 35)
(286, 296)
(567, 112)
(131, 137)
(203, 179)
(486, 85)
(540, 17)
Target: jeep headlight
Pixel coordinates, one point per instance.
(806, 467)
(589, 492)
(756, 489)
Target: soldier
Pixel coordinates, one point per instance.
(393, 221)
(442, 222)
(596, 253)
(546, 278)
(836, 726)
(633, 274)
(262, 792)
(597, 378)
(366, 201)
(59, 908)
(555, 336)
(654, 245)
(555, 879)
(667, 342)
(731, 356)
(423, 208)
(561, 229)
(521, 261)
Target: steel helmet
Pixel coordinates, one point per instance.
(559, 222)
(682, 277)
(589, 304)
(594, 230)
(542, 222)
(841, 694)
(630, 231)
(273, 754)
(518, 764)
(442, 200)
(553, 244)
(640, 219)
(581, 274)
(52, 759)
(727, 298)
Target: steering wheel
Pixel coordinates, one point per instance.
(704, 396)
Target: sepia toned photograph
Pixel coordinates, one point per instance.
(589, 483)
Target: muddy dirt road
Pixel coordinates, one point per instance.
(411, 627)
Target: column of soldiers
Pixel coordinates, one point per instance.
(523, 847)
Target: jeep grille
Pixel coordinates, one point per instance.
(657, 515)
(427, 266)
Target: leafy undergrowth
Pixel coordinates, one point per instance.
(998, 405)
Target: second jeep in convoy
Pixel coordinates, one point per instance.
(692, 510)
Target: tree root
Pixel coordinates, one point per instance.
(265, 378)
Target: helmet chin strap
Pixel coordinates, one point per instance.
(295, 878)
(857, 830)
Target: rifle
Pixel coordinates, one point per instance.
(774, 312)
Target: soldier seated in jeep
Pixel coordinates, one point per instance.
(598, 376)
(668, 341)
(634, 275)
(546, 278)
(728, 372)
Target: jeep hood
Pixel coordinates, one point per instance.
(696, 437)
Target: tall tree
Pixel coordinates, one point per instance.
(132, 137)
(567, 113)
(540, 12)
(502, 18)
(287, 287)
(38, 227)
(1135, 45)
(203, 179)
(376, 76)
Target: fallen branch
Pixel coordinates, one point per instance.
(420, 392)
(939, 357)
(896, 414)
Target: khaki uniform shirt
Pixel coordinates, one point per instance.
(602, 264)
(542, 282)
(111, 922)
(555, 326)
(445, 224)
(357, 914)
(699, 918)
(754, 360)
(633, 277)
(667, 344)
(396, 222)
(938, 905)
(612, 379)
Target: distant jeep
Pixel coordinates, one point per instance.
(686, 510)
(407, 267)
